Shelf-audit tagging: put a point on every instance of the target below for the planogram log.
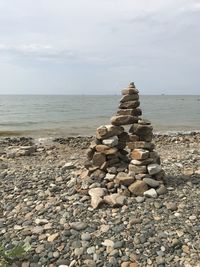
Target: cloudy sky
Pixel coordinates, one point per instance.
(99, 46)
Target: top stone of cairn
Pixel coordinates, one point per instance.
(130, 90)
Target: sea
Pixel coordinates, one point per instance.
(75, 115)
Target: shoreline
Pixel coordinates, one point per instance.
(36, 134)
(62, 139)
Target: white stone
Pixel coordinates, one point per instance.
(154, 168)
(112, 141)
(115, 199)
(96, 196)
(108, 243)
(151, 193)
(100, 192)
(68, 166)
(41, 221)
(110, 177)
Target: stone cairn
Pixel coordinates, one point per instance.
(122, 164)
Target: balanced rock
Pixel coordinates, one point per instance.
(123, 178)
(123, 120)
(139, 154)
(98, 159)
(111, 141)
(137, 169)
(129, 91)
(123, 160)
(132, 112)
(132, 97)
(154, 169)
(129, 104)
(107, 131)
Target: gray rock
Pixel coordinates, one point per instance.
(78, 226)
(151, 193)
(86, 236)
(151, 182)
(111, 141)
(154, 169)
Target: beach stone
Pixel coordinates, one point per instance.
(129, 91)
(142, 162)
(111, 141)
(129, 105)
(147, 137)
(154, 169)
(108, 243)
(133, 138)
(151, 193)
(141, 144)
(38, 230)
(107, 131)
(137, 169)
(39, 249)
(123, 119)
(154, 155)
(125, 264)
(110, 177)
(68, 166)
(129, 97)
(89, 263)
(171, 206)
(159, 176)
(197, 171)
(151, 182)
(98, 159)
(161, 190)
(144, 122)
(3, 166)
(111, 151)
(139, 154)
(78, 226)
(140, 199)
(52, 237)
(123, 178)
(101, 148)
(188, 171)
(133, 112)
(96, 196)
(138, 188)
(98, 175)
(115, 199)
(90, 153)
(140, 129)
(133, 264)
(85, 236)
(160, 260)
(41, 221)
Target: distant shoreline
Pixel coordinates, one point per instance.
(36, 135)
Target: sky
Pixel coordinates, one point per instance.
(99, 46)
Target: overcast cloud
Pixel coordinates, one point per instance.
(99, 46)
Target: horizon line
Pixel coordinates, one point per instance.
(97, 94)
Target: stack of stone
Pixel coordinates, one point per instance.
(125, 163)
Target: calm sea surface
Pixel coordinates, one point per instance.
(81, 115)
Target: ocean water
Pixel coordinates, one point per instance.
(51, 116)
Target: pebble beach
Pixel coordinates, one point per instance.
(43, 202)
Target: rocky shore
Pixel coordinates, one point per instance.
(43, 202)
